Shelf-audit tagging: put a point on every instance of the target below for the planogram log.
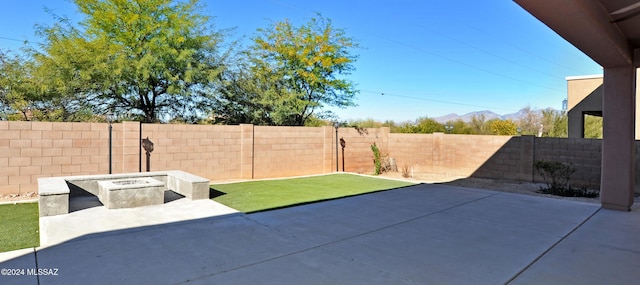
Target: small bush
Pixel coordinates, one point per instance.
(386, 164)
(405, 171)
(556, 175)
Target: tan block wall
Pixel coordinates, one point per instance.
(287, 151)
(208, 151)
(463, 155)
(358, 155)
(413, 150)
(29, 150)
(584, 154)
(445, 154)
(513, 158)
(497, 157)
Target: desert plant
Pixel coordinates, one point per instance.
(556, 175)
(405, 171)
(386, 163)
(377, 159)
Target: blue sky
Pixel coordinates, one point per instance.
(429, 57)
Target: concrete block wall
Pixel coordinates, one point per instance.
(584, 154)
(286, 151)
(463, 154)
(446, 154)
(214, 152)
(508, 158)
(30, 150)
(497, 157)
(358, 155)
(247, 153)
(126, 147)
(412, 151)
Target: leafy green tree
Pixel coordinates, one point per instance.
(239, 99)
(152, 58)
(592, 127)
(427, 125)
(389, 124)
(423, 125)
(393, 126)
(20, 98)
(460, 127)
(299, 70)
(479, 125)
(13, 98)
(555, 123)
(404, 127)
(314, 121)
(367, 123)
(503, 127)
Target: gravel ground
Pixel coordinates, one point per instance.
(14, 198)
(510, 186)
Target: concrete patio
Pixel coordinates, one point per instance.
(424, 234)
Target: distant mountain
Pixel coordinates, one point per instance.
(446, 118)
(518, 115)
(488, 115)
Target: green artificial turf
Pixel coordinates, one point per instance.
(262, 195)
(19, 226)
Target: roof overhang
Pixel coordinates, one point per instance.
(583, 77)
(608, 31)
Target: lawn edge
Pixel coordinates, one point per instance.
(313, 175)
(19, 202)
(329, 199)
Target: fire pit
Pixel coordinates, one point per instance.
(119, 190)
(132, 192)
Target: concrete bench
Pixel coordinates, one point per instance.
(54, 192)
(53, 196)
(186, 184)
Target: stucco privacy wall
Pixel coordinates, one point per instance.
(29, 150)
